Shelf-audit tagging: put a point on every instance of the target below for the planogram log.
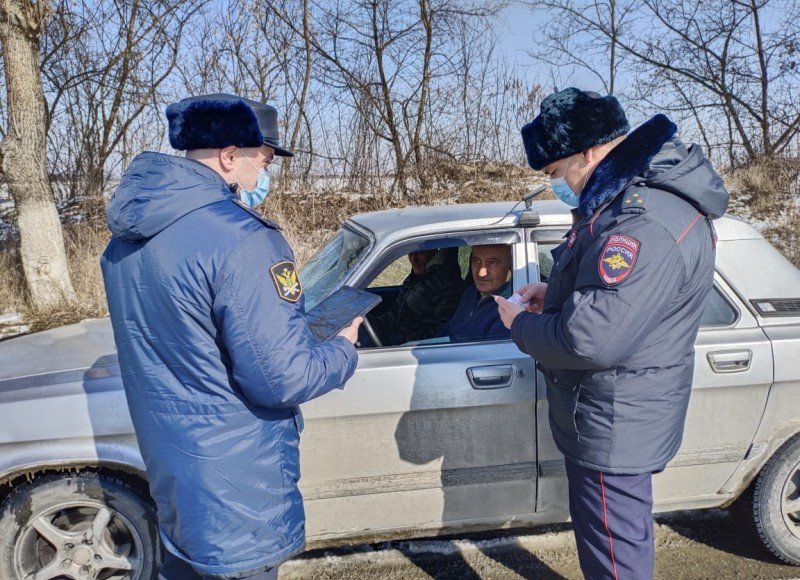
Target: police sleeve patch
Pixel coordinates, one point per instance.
(284, 275)
(618, 258)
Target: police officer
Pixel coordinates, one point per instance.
(214, 350)
(613, 330)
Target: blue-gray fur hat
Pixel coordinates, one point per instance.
(569, 122)
(220, 120)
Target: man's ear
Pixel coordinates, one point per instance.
(227, 157)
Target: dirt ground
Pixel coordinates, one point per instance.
(704, 544)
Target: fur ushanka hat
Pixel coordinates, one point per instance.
(220, 120)
(569, 122)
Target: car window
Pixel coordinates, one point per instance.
(545, 259)
(718, 311)
(328, 267)
(433, 299)
(392, 275)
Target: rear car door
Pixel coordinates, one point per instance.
(732, 375)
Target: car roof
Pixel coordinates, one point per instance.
(443, 218)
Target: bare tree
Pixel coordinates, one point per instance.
(104, 64)
(588, 43)
(385, 55)
(245, 49)
(23, 152)
(730, 65)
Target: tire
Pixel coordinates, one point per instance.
(776, 503)
(86, 525)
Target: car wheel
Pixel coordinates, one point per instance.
(82, 526)
(776, 503)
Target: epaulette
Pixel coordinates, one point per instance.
(634, 199)
(269, 223)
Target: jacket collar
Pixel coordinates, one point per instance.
(624, 162)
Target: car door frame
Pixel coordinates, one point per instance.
(324, 498)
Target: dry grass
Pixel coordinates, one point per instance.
(84, 243)
(767, 191)
(12, 287)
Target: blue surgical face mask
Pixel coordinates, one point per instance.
(563, 191)
(254, 197)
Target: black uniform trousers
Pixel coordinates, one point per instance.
(612, 516)
(174, 568)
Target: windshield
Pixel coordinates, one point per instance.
(330, 265)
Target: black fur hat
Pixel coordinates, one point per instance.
(569, 122)
(220, 120)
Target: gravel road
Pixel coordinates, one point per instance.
(702, 544)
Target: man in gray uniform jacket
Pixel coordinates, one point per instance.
(614, 328)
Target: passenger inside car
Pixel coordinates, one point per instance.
(477, 317)
(428, 297)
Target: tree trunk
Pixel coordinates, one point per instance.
(286, 163)
(22, 158)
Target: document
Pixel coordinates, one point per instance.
(336, 312)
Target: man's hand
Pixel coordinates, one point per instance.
(508, 310)
(351, 332)
(533, 294)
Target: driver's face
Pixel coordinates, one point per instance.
(491, 267)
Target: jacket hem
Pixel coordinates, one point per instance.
(249, 567)
(615, 470)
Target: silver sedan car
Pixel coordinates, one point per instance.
(427, 437)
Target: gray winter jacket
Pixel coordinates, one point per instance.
(616, 339)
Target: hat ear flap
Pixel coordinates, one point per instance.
(212, 124)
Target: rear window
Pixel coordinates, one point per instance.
(718, 311)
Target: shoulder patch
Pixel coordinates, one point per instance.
(618, 258)
(284, 275)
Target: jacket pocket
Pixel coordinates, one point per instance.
(563, 391)
(297, 414)
(562, 378)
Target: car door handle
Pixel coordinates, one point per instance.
(491, 376)
(730, 361)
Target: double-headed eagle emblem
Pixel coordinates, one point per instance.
(616, 262)
(284, 275)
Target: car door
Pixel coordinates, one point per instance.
(732, 375)
(424, 437)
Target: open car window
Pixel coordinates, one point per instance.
(416, 308)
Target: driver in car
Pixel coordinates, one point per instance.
(428, 297)
(476, 317)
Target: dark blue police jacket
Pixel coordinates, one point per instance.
(624, 300)
(476, 317)
(215, 355)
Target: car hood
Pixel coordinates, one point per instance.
(77, 347)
